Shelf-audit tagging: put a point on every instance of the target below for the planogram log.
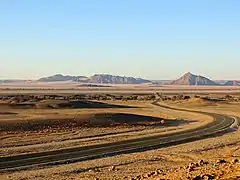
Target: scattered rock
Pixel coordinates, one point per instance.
(234, 161)
(152, 173)
(158, 171)
(112, 168)
(191, 167)
(97, 170)
(138, 177)
(204, 177)
(208, 177)
(149, 174)
(132, 178)
(197, 165)
(145, 176)
(94, 170)
(202, 162)
(221, 161)
(197, 177)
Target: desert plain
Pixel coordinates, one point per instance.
(55, 117)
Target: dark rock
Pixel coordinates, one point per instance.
(221, 161)
(234, 161)
(197, 177)
(202, 162)
(112, 168)
(158, 171)
(149, 174)
(138, 177)
(208, 177)
(190, 169)
(204, 177)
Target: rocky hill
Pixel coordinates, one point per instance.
(111, 79)
(2, 81)
(232, 83)
(191, 79)
(60, 77)
(97, 78)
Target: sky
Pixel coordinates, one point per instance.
(153, 39)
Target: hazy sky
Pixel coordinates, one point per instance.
(155, 39)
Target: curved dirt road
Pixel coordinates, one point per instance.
(220, 125)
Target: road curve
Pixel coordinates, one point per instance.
(220, 125)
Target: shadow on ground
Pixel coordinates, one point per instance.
(64, 105)
(134, 119)
(90, 121)
(213, 99)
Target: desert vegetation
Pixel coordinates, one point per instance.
(36, 98)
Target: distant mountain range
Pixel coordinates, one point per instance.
(232, 83)
(111, 79)
(187, 79)
(13, 81)
(97, 78)
(60, 77)
(191, 79)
